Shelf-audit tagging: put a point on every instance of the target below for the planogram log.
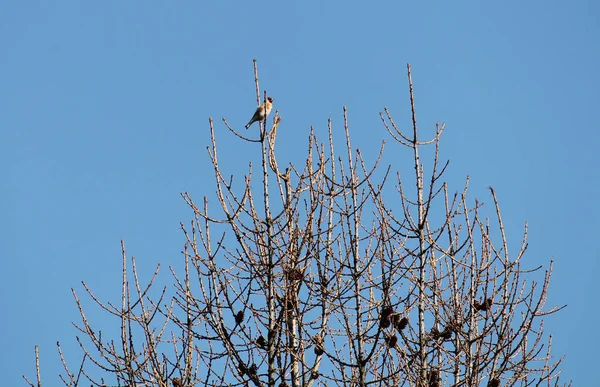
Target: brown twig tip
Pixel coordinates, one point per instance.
(239, 317)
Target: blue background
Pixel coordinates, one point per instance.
(103, 122)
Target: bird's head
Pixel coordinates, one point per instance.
(270, 100)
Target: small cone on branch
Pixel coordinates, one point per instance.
(177, 382)
(402, 323)
(239, 317)
(391, 341)
(484, 306)
(433, 378)
(261, 342)
(447, 333)
(384, 322)
(494, 382)
(488, 303)
(318, 348)
(294, 275)
(386, 313)
(253, 369)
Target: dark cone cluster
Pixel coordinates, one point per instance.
(391, 341)
(401, 324)
(446, 334)
(483, 306)
(385, 318)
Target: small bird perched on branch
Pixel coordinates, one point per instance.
(261, 112)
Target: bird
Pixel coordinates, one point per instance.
(261, 112)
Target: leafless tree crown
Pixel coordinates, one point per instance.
(334, 272)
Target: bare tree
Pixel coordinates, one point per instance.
(334, 272)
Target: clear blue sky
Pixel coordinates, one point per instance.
(103, 122)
